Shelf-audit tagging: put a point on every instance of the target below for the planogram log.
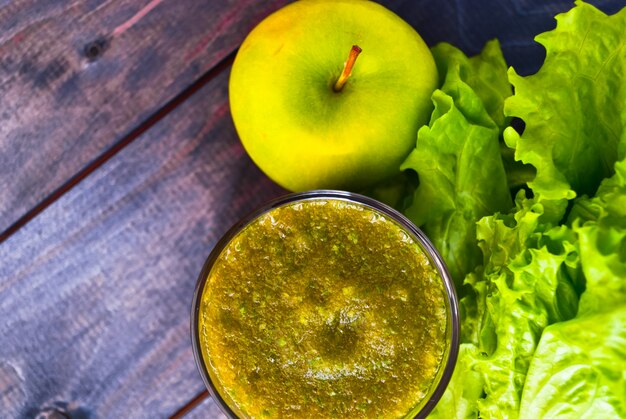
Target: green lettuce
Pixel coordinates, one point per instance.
(532, 344)
(602, 240)
(526, 282)
(457, 156)
(573, 108)
(465, 388)
(579, 366)
(542, 280)
(578, 369)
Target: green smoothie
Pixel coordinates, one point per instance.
(323, 308)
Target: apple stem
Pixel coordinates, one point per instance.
(347, 68)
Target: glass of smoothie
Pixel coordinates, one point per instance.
(325, 304)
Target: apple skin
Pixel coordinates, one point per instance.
(302, 133)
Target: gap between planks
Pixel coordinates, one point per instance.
(117, 147)
(190, 405)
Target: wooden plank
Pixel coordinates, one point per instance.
(96, 291)
(77, 77)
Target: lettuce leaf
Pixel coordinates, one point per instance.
(526, 282)
(527, 287)
(465, 388)
(602, 242)
(574, 107)
(543, 307)
(578, 368)
(457, 156)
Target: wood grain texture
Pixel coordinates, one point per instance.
(96, 291)
(78, 76)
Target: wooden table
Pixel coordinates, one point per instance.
(120, 169)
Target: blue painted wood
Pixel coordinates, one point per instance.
(469, 24)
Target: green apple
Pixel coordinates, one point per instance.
(310, 114)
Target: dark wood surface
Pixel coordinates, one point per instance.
(112, 266)
(76, 77)
(120, 165)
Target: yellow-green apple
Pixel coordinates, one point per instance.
(311, 114)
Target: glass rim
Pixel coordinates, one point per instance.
(422, 239)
